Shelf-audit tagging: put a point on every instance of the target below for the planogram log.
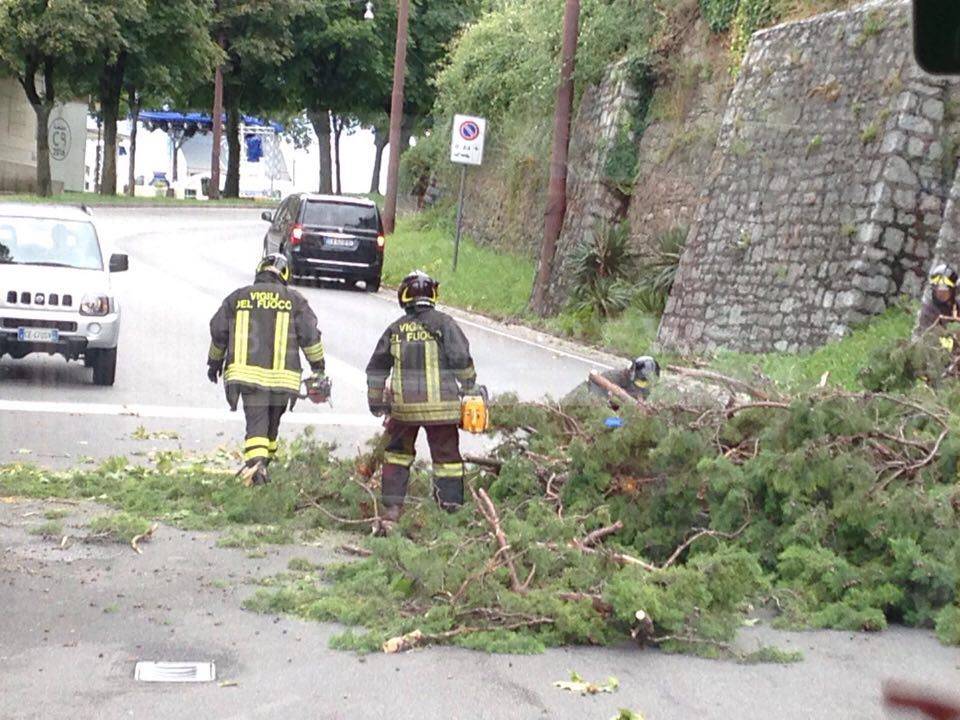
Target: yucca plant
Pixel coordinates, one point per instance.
(605, 269)
(659, 272)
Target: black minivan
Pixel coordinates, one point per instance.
(328, 236)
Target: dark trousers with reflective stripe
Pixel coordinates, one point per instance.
(263, 410)
(401, 451)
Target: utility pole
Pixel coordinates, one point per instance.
(557, 189)
(213, 191)
(396, 116)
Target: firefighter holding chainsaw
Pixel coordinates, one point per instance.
(256, 339)
(427, 359)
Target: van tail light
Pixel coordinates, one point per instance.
(296, 235)
(381, 241)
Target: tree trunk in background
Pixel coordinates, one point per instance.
(380, 142)
(134, 102)
(231, 187)
(557, 190)
(321, 126)
(111, 85)
(41, 107)
(406, 132)
(44, 179)
(396, 115)
(337, 132)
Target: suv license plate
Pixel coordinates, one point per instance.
(339, 242)
(38, 335)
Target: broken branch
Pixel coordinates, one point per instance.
(489, 511)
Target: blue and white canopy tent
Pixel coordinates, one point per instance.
(260, 137)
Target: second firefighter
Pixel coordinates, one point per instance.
(427, 359)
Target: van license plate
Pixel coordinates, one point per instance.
(40, 335)
(339, 242)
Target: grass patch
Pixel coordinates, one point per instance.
(633, 332)
(48, 529)
(256, 536)
(842, 359)
(117, 527)
(487, 281)
(56, 513)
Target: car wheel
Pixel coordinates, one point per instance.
(104, 364)
(373, 284)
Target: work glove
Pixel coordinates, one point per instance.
(378, 409)
(214, 371)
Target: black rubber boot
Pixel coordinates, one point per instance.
(448, 492)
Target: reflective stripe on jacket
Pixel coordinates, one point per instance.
(426, 356)
(259, 331)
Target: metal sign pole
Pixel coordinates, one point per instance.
(456, 243)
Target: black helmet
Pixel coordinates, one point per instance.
(644, 369)
(943, 275)
(277, 264)
(417, 289)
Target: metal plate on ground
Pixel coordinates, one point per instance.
(174, 672)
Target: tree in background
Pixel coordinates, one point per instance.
(259, 44)
(340, 68)
(134, 54)
(39, 42)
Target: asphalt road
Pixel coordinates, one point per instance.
(75, 620)
(182, 264)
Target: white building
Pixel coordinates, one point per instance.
(18, 143)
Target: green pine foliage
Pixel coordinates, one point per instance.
(832, 508)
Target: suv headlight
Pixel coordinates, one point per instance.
(95, 305)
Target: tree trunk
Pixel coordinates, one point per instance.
(396, 114)
(134, 101)
(41, 107)
(557, 190)
(176, 145)
(321, 126)
(231, 187)
(406, 132)
(380, 142)
(44, 179)
(111, 85)
(337, 132)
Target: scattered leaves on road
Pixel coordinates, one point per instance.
(577, 684)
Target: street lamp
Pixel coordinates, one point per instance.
(368, 15)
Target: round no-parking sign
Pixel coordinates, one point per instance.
(466, 144)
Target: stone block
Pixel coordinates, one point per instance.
(915, 124)
(893, 240)
(893, 142)
(933, 109)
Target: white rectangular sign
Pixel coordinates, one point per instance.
(466, 144)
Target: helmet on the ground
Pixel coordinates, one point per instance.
(277, 264)
(943, 275)
(644, 369)
(417, 289)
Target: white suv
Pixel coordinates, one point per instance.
(55, 294)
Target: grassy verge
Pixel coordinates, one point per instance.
(842, 360)
(487, 281)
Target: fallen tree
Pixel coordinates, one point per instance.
(835, 509)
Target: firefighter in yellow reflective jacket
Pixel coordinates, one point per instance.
(258, 334)
(427, 359)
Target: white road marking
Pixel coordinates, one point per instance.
(136, 410)
(516, 338)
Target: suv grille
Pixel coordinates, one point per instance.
(51, 324)
(39, 299)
